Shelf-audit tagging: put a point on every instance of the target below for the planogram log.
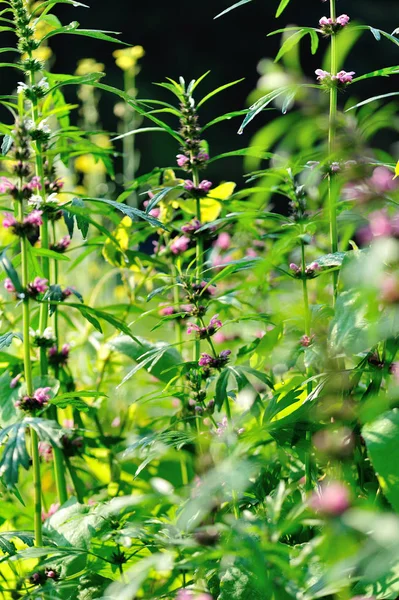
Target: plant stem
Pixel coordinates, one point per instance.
(331, 146)
(129, 158)
(308, 453)
(29, 389)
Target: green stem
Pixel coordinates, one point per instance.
(331, 146)
(29, 390)
(129, 159)
(308, 452)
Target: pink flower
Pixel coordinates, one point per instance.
(46, 451)
(205, 360)
(34, 218)
(305, 341)
(222, 426)
(9, 286)
(184, 594)
(180, 244)
(382, 180)
(9, 220)
(325, 21)
(294, 268)
(321, 75)
(15, 380)
(332, 500)
(116, 422)
(223, 241)
(344, 76)
(39, 285)
(51, 511)
(189, 185)
(34, 183)
(343, 20)
(41, 395)
(215, 322)
(182, 160)
(205, 185)
(68, 423)
(192, 327)
(5, 185)
(155, 212)
(166, 311)
(192, 227)
(204, 596)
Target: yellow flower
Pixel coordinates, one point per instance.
(126, 59)
(87, 164)
(89, 65)
(397, 170)
(212, 204)
(101, 140)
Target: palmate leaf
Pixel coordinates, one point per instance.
(15, 454)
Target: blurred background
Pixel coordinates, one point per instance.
(182, 38)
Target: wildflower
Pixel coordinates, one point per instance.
(9, 286)
(333, 499)
(62, 245)
(343, 20)
(344, 76)
(321, 75)
(223, 241)
(167, 311)
(208, 361)
(59, 357)
(305, 341)
(21, 87)
(51, 511)
(6, 185)
(9, 221)
(192, 227)
(222, 426)
(68, 423)
(330, 26)
(34, 218)
(15, 381)
(182, 160)
(116, 422)
(51, 574)
(155, 212)
(341, 79)
(203, 187)
(36, 402)
(38, 286)
(180, 244)
(390, 289)
(46, 451)
(86, 66)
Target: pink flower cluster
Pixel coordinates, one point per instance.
(380, 183)
(214, 362)
(186, 162)
(203, 332)
(155, 212)
(38, 286)
(343, 77)
(330, 25)
(380, 225)
(36, 402)
(59, 357)
(33, 219)
(203, 187)
(6, 186)
(180, 244)
(62, 245)
(310, 270)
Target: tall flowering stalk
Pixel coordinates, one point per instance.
(33, 91)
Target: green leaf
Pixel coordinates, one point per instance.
(236, 5)
(130, 211)
(50, 254)
(386, 72)
(11, 272)
(6, 144)
(219, 89)
(15, 454)
(72, 28)
(262, 103)
(294, 39)
(8, 397)
(221, 387)
(93, 314)
(7, 338)
(381, 439)
(372, 99)
(281, 7)
(329, 261)
(159, 359)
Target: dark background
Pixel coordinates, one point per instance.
(180, 37)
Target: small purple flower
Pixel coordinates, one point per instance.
(9, 221)
(343, 20)
(205, 185)
(15, 381)
(325, 21)
(6, 185)
(51, 511)
(192, 327)
(202, 156)
(155, 212)
(180, 244)
(184, 594)
(222, 426)
(182, 160)
(41, 395)
(321, 75)
(46, 451)
(38, 286)
(206, 360)
(34, 184)
(189, 185)
(305, 341)
(34, 218)
(344, 76)
(166, 311)
(62, 245)
(9, 286)
(294, 268)
(215, 323)
(192, 227)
